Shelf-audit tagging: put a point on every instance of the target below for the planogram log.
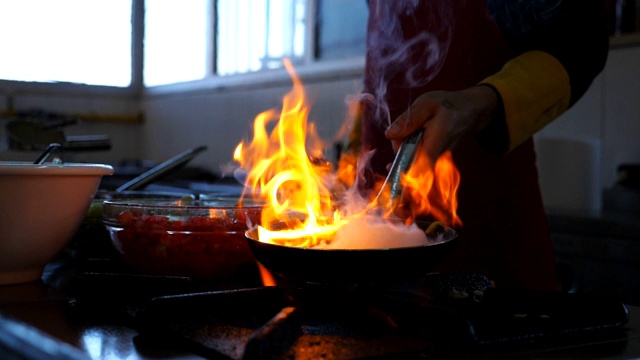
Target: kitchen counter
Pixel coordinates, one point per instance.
(611, 224)
(41, 320)
(626, 40)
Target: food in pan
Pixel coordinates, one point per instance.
(373, 233)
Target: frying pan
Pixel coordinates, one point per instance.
(316, 265)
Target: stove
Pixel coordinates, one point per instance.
(97, 308)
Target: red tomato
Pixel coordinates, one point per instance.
(198, 247)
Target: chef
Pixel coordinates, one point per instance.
(481, 77)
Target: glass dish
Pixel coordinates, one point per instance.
(201, 239)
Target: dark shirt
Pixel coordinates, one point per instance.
(573, 31)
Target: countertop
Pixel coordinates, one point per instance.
(598, 253)
(611, 224)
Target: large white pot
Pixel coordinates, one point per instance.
(41, 207)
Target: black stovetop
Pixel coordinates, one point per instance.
(97, 308)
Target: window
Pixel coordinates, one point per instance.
(79, 41)
(341, 29)
(254, 35)
(177, 41)
(98, 42)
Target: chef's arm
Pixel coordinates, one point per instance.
(533, 89)
(556, 64)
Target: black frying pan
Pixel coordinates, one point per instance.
(350, 266)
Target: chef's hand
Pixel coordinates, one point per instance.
(446, 116)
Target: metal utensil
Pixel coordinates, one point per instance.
(161, 170)
(47, 152)
(390, 195)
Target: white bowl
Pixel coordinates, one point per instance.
(41, 207)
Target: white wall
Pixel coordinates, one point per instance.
(621, 120)
(222, 119)
(578, 153)
(124, 136)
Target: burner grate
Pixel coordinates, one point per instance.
(437, 313)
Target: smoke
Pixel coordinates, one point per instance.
(410, 59)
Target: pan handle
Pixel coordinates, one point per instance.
(161, 170)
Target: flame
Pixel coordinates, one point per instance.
(297, 187)
(433, 191)
(281, 172)
(266, 276)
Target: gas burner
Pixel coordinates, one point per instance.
(432, 314)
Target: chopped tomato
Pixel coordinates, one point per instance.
(199, 247)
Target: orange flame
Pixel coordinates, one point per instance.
(434, 191)
(299, 208)
(281, 172)
(267, 277)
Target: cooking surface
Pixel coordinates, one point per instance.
(97, 309)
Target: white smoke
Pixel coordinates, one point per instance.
(393, 51)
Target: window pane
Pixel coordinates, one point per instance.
(256, 34)
(175, 41)
(80, 41)
(342, 26)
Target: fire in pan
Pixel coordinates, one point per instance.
(322, 265)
